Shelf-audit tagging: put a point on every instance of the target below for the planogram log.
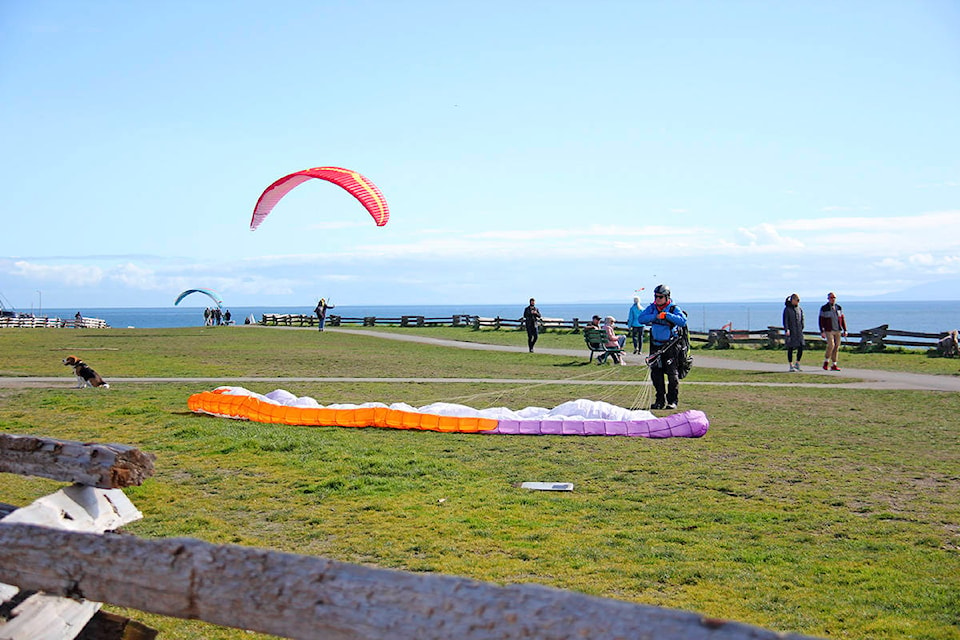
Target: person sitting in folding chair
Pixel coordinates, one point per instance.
(613, 341)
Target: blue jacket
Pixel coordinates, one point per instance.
(633, 317)
(662, 330)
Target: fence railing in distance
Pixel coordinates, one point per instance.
(29, 322)
(771, 337)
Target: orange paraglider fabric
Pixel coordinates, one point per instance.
(355, 184)
(221, 403)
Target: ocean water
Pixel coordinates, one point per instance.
(927, 317)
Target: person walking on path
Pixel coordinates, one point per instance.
(321, 311)
(531, 320)
(833, 327)
(665, 320)
(634, 326)
(793, 328)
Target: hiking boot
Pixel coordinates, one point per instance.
(790, 368)
(826, 365)
(671, 405)
(796, 367)
(656, 406)
(834, 368)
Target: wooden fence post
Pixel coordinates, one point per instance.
(872, 338)
(773, 337)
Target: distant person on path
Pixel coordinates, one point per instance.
(531, 318)
(665, 319)
(793, 329)
(833, 326)
(226, 317)
(78, 320)
(634, 326)
(613, 340)
(321, 311)
(207, 317)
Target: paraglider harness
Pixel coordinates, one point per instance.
(678, 347)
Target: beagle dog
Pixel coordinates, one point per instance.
(86, 377)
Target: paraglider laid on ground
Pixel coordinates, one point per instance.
(207, 292)
(355, 184)
(577, 417)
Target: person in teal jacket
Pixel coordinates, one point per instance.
(664, 317)
(634, 326)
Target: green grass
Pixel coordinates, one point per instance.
(823, 511)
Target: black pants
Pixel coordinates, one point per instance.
(666, 366)
(532, 335)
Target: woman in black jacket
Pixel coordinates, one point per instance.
(793, 328)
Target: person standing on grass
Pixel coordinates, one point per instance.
(531, 319)
(833, 327)
(665, 320)
(634, 326)
(321, 311)
(793, 329)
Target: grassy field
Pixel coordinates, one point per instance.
(825, 511)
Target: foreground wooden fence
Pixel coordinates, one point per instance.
(772, 337)
(288, 595)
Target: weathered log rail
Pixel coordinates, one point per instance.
(106, 466)
(278, 593)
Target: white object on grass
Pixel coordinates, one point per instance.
(547, 486)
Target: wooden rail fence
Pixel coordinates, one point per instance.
(772, 337)
(42, 322)
(873, 339)
(59, 562)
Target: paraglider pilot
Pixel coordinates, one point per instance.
(664, 319)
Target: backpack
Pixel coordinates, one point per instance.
(684, 359)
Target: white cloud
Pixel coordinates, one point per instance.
(861, 254)
(72, 274)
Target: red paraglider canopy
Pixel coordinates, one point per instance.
(355, 184)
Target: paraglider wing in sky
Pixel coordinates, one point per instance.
(213, 295)
(355, 184)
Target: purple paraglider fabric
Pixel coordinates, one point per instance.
(687, 424)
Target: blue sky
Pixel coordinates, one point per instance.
(569, 151)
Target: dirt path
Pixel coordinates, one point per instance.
(858, 378)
